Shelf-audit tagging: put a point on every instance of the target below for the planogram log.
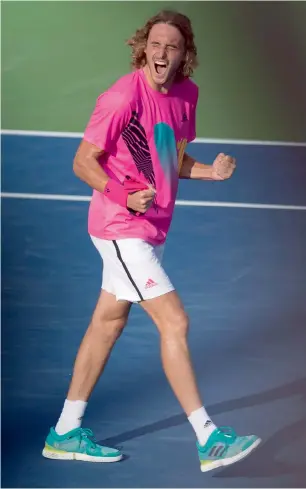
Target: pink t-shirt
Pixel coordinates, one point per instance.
(144, 134)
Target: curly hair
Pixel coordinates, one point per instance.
(139, 40)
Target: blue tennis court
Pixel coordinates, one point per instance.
(241, 271)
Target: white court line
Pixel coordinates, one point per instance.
(192, 203)
(79, 135)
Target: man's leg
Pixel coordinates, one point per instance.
(108, 321)
(168, 314)
(216, 447)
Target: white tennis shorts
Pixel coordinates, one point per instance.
(132, 269)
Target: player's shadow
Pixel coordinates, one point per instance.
(263, 462)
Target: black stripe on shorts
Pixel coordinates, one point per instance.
(127, 270)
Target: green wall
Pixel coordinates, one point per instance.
(58, 56)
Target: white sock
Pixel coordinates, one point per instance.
(71, 416)
(202, 424)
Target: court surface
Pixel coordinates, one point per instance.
(241, 272)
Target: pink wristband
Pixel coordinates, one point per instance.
(116, 192)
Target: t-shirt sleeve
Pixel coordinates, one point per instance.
(193, 110)
(109, 118)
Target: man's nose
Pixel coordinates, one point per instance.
(162, 52)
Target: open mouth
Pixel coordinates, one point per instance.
(160, 67)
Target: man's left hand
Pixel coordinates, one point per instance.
(223, 167)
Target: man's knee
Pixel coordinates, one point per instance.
(173, 324)
(176, 324)
(168, 314)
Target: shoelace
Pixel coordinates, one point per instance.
(89, 436)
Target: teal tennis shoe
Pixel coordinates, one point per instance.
(78, 444)
(225, 447)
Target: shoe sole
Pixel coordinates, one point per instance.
(61, 455)
(231, 460)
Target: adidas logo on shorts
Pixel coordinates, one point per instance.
(150, 283)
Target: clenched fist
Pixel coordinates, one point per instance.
(223, 167)
(141, 201)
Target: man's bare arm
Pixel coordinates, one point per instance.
(221, 169)
(86, 166)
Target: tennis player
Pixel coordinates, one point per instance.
(132, 156)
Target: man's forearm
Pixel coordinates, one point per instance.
(90, 172)
(192, 169)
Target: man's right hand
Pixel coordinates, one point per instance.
(141, 201)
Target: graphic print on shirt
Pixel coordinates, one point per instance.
(166, 148)
(135, 138)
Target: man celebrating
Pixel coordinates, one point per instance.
(132, 156)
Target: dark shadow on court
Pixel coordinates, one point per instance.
(288, 390)
(263, 463)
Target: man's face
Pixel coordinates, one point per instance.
(164, 52)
